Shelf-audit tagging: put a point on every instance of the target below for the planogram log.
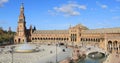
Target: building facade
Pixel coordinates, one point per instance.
(106, 38)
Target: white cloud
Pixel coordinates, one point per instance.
(3, 22)
(82, 7)
(103, 6)
(116, 17)
(118, 0)
(2, 2)
(52, 13)
(116, 9)
(70, 9)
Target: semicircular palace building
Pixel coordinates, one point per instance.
(105, 38)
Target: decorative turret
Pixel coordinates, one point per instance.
(31, 30)
(34, 28)
(21, 16)
(9, 29)
(30, 26)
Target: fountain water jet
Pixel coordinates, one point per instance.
(25, 48)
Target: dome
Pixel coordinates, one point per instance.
(79, 26)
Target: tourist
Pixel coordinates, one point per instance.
(51, 52)
(63, 50)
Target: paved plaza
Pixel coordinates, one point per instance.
(46, 54)
(113, 58)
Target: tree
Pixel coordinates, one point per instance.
(6, 36)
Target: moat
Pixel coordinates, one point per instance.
(97, 59)
(90, 60)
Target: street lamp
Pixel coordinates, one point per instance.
(72, 40)
(82, 42)
(56, 53)
(12, 50)
(66, 43)
(56, 47)
(72, 43)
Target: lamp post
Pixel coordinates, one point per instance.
(73, 38)
(12, 49)
(56, 54)
(72, 43)
(82, 43)
(56, 50)
(66, 43)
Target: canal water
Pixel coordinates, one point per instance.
(90, 60)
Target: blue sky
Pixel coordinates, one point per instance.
(60, 14)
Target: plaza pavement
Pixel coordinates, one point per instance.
(113, 58)
(43, 56)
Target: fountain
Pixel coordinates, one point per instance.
(25, 48)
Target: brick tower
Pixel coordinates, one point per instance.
(20, 36)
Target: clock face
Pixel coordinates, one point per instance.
(20, 26)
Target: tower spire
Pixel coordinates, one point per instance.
(22, 5)
(22, 17)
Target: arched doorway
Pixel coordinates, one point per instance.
(119, 47)
(61, 43)
(115, 44)
(109, 46)
(15, 40)
(19, 40)
(23, 40)
(115, 47)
